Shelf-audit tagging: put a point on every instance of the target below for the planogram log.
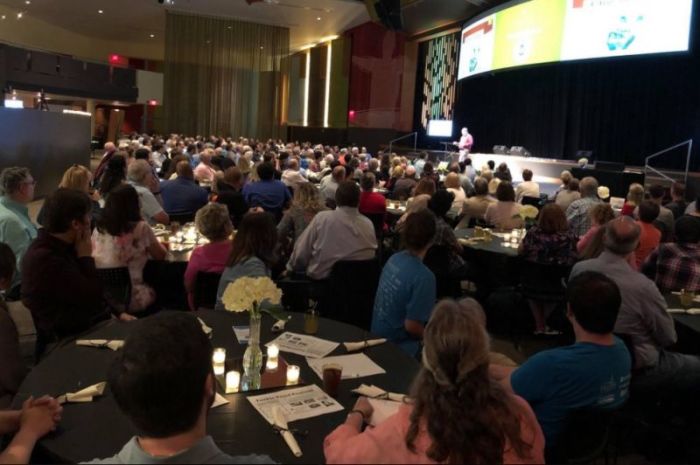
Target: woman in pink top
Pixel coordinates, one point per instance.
(212, 222)
(458, 415)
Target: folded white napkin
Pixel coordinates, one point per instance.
(84, 395)
(280, 421)
(207, 330)
(353, 346)
(690, 311)
(100, 343)
(375, 392)
(279, 325)
(219, 400)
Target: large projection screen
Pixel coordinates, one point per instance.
(545, 31)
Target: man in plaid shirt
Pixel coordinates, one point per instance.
(675, 266)
(577, 213)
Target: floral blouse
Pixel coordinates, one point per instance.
(549, 249)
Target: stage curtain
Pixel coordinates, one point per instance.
(224, 77)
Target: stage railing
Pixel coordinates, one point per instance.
(648, 167)
(415, 140)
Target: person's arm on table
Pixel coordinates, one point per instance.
(347, 443)
(36, 419)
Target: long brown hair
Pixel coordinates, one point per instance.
(256, 237)
(553, 219)
(469, 418)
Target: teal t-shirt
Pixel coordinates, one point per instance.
(406, 292)
(583, 375)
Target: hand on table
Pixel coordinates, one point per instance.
(40, 417)
(126, 317)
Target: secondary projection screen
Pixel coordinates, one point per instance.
(543, 31)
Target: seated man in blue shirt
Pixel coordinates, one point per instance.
(406, 292)
(169, 349)
(182, 195)
(592, 373)
(268, 193)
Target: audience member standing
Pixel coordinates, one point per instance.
(123, 239)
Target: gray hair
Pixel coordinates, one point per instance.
(588, 187)
(621, 235)
(139, 171)
(11, 179)
(213, 221)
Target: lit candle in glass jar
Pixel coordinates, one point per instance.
(233, 380)
(292, 374)
(271, 364)
(219, 369)
(219, 356)
(273, 352)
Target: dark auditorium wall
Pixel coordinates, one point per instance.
(622, 109)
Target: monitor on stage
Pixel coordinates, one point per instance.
(440, 128)
(522, 33)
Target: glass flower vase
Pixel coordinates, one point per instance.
(253, 356)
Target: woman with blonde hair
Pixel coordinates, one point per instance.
(457, 413)
(305, 204)
(635, 195)
(78, 178)
(454, 184)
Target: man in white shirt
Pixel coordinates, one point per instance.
(335, 235)
(139, 176)
(291, 177)
(527, 188)
(204, 172)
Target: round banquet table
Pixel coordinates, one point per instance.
(98, 429)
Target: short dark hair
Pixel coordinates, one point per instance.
(595, 301)
(347, 194)
(648, 211)
(64, 206)
(11, 179)
(418, 230)
(441, 202)
(168, 349)
(266, 171)
(8, 262)
(505, 192)
(184, 169)
(678, 188)
(367, 181)
(492, 164)
(527, 175)
(687, 229)
(481, 186)
(657, 191)
(142, 154)
(121, 211)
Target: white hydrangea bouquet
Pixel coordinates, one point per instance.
(248, 295)
(528, 213)
(255, 296)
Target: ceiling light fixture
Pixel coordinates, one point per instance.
(318, 18)
(152, 36)
(3, 17)
(28, 2)
(100, 11)
(20, 15)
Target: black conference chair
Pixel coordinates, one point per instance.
(352, 304)
(437, 259)
(534, 201)
(585, 439)
(206, 285)
(116, 283)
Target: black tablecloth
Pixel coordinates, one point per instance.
(687, 327)
(493, 246)
(98, 429)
